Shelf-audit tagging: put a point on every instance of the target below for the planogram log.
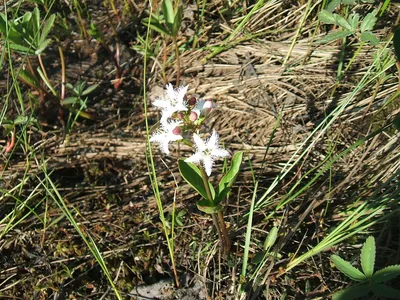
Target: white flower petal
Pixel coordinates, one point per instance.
(220, 153)
(208, 163)
(195, 158)
(181, 92)
(213, 141)
(199, 142)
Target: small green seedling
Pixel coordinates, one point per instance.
(350, 26)
(369, 281)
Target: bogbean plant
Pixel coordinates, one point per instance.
(181, 121)
(352, 25)
(369, 281)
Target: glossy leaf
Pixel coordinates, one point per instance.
(208, 206)
(229, 178)
(192, 175)
(347, 269)
(386, 274)
(368, 257)
(169, 13)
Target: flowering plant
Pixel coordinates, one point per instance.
(181, 120)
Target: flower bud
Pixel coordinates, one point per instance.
(192, 101)
(193, 116)
(179, 116)
(177, 130)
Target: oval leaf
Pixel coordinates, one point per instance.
(271, 238)
(230, 177)
(332, 5)
(386, 274)
(192, 175)
(169, 13)
(368, 257)
(347, 269)
(208, 207)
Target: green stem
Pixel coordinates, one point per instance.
(218, 219)
(178, 62)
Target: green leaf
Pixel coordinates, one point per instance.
(155, 25)
(347, 269)
(21, 120)
(192, 175)
(334, 36)
(3, 24)
(229, 178)
(271, 238)
(208, 206)
(353, 292)
(177, 21)
(369, 21)
(349, 2)
(368, 36)
(368, 256)
(343, 22)
(42, 46)
(169, 13)
(326, 17)
(22, 49)
(385, 291)
(332, 5)
(89, 89)
(353, 20)
(29, 79)
(386, 274)
(70, 101)
(46, 29)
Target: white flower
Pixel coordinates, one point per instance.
(169, 132)
(207, 151)
(173, 101)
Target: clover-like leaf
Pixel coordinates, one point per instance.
(347, 269)
(386, 274)
(327, 17)
(385, 291)
(368, 256)
(343, 22)
(334, 36)
(353, 20)
(333, 5)
(368, 36)
(353, 292)
(369, 21)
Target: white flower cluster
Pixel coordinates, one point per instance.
(181, 116)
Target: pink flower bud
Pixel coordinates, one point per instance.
(192, 101)
(179, 116)
(193, 116)
(177, 130)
